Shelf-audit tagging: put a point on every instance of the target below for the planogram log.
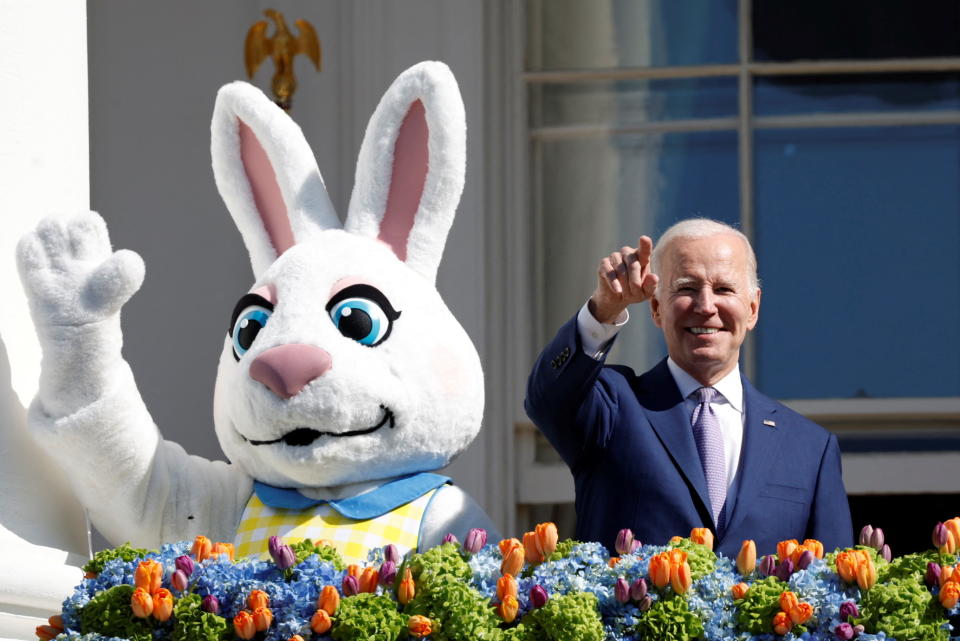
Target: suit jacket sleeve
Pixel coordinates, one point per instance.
(568, 398)
(830, 521)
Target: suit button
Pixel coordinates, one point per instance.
(566, 352)
(553, 363)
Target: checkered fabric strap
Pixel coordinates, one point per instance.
(353, 538)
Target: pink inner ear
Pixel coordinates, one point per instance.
(266, 190)
(410, 158)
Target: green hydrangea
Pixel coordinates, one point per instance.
(368, 617)
(192, 623)
(701, 559)
(458, 611)
(306, 547)
(670, 619)
(762, 602)
(125, 552)
(439, 561)
(566, 617)
(904, 609)
(913, 566)
(109, 614)
(564, 549)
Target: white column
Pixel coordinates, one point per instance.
(43, 169)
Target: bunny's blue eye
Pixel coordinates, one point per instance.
(362, 313)
(249, 317)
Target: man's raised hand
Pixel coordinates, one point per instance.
(623, 278)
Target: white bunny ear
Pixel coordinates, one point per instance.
(266, 174)
(411, 167)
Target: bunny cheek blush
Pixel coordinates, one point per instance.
(344, 381)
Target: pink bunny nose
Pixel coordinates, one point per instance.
(287, 369)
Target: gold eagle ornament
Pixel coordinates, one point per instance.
(282, 47)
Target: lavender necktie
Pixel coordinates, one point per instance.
(706, 432)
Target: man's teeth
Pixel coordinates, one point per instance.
(704, 330)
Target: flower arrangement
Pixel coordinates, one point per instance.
(534, 589)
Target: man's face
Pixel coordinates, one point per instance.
(704, 304)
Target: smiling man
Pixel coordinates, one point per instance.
(689, 443)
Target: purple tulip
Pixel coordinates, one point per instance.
(886, 553)
(622, 590)
(391, 553)
(538, 596)
(645, 603)
(476, 539)
(185, 564)
(865, 533)
(388, 572)
(636, 545)
(624, 542)
(285, 558)
(273, 546)
(784, 570)
(940, 535)
(876, 539)
(351, 586)
(638, 590)
(768, 565)
(932, 577)
(805, 560)
(450, 538)
(848, 610)
(844, 631)
(210, 604)
(179, 580)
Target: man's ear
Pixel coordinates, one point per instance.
(655, 310)
(754, 310)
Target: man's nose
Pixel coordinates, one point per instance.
(706, 302)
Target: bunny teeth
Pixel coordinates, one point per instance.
(306, 436)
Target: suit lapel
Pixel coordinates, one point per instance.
(761, 441)
(664, 407)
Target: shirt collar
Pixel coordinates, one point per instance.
(730, 386)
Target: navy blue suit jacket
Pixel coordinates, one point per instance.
(630, 447)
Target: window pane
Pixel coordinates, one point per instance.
(852, 93)
(573, 34)
(631, 102)
(597, 194)
(827, 29)
(857, 233)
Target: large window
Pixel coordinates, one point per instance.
(829, 132)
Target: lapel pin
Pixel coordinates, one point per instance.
(769, 423)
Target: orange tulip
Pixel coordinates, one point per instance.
(681, 578)
(507, 609)
(950, 594)
(46, 632)
(296, 637)
(675, 539)
(506, 585)
(947, 574)
(162, 604)
(407, 589)
(676, 557)
(202, 547)
(531, 553)
(258, 599)
(739, 590)
(262, 618)
(320, 622)
(782, 623)
(56, 621)
(797, 553)
(703, 536)
(847, 563)
(141, 603)
(243, 625)
(953, 526)
(747, 557)
(659, 570)
(866, 573)
(814, 546)
(223, 549)
(513, 555)
(788, 600)
(613, 560)
(419, 626)
(369, 579)
(547, 537)
(785, 548)
(329, 600)
(148, 575)
(354, 570)
(801, 614)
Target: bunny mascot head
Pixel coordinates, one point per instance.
(344, 379)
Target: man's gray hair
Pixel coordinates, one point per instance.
(702, 228)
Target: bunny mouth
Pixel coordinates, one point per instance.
(305, 435)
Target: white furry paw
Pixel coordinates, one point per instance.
(70, 275)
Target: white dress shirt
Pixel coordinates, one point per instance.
(595, 339)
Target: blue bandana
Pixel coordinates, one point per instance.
(369, 505)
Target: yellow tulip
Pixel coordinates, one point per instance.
(320, 622)
(747, 557)
(162, 604)
(703, 536)
(141, 603)
(148, 575)
(329, 600)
